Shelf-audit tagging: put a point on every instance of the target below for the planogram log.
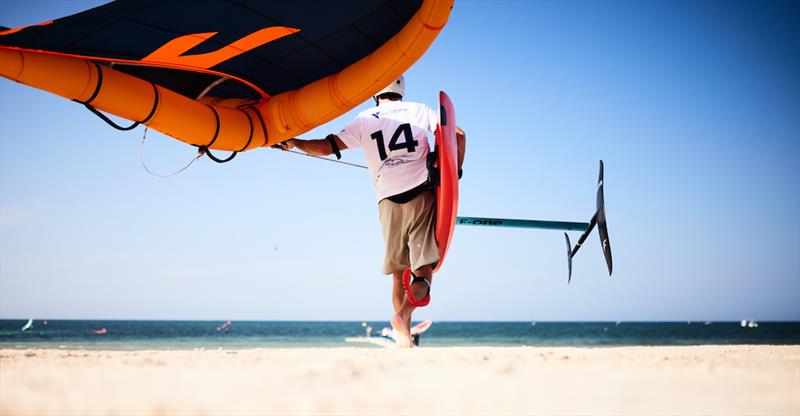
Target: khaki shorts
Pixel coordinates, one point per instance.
(409, 232)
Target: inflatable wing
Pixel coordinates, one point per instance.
(229, 75)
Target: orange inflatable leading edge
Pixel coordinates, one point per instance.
(220, 124)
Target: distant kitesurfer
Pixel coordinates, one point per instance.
(394, 135)
(224, 327)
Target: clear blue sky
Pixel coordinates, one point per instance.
(694, 106)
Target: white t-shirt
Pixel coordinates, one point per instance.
(394, 136)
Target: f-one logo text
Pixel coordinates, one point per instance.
(476, 221)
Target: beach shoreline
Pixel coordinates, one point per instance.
(713, 379)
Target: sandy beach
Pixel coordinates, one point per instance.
(458, 380)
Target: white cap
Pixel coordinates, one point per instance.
(398, 87)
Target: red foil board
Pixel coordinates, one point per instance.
(447, 190)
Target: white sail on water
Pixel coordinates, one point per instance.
(28, 325)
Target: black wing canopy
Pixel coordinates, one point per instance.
(320, 38)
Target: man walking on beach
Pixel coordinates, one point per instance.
(394, 135)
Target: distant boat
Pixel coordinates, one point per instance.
(749, 323)
(28, 325)
(224, 327)
(100, 331)
(379, 341)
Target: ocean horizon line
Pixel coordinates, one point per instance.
(690, 321)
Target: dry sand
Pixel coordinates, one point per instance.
(460, 380)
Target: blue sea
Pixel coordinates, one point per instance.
(182, 335)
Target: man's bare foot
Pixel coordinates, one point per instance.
(403, 332)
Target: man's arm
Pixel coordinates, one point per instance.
(319, 147)
(461, 142)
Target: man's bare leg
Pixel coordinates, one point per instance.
(401, 321)
(398, 293)
(398, 297)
